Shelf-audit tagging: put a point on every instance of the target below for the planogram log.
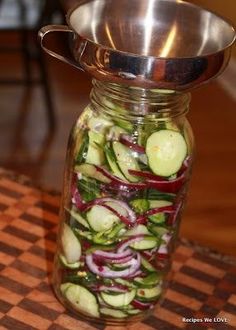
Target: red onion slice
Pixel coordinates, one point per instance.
(120, 183)
(146, 175)
(164, 209)
(123, 245)
(112, 255)
(130, 212)
(113, 288)
(127, 141)
(141, 305)
(104, 271)
(113, 258)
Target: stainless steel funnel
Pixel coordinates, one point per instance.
(168, 44)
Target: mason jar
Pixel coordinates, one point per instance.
(127, 170)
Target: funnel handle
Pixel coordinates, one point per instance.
(55, 40)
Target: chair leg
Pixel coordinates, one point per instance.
(46, 89)
(26, 57)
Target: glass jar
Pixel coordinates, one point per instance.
(127, 170)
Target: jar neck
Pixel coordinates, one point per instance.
(133, 103)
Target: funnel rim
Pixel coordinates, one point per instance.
(173, 58)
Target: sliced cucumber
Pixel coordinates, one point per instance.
(101, 219)
(70, 244)
(124, 282)
(126, 160)
(118, 300)
(147, 265)
(159, 203)
(95, 154)
(149, 293)
(133, 311)
(64, 263)
(140, 205)
(140, 229)
(113, 312)
(82, 300)
(166, 151)
(147, 243)
(65, 286)
(117, 207)
(157, 230)
(84, 233)
(75, 215)
(99, 124)
(114, 133)
(150, 280)
(91, 171)
(81, 155)
(158, 218)
(111, 159)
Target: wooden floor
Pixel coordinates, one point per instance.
(27, 146)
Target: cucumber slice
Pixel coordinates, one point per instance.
(159, 203)
(99, 124)
(114, 133)
(159, 231)
(124, 282)
(140, 205)
(147, 265)
(147, 243)
(65, 286)
(150, 280)
(158, 218)
(90, 171)
(111, 159)
(149, 293)
(133, 311)
(64, 263)
(70, 245)
(75, 215)
(140, 229)
(126, 160)
(95, 153)
(82, 233)
(112, 312)
(82, 300)
(166, 151)
(101, 219)
(118, 300)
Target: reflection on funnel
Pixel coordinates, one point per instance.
(169, 42)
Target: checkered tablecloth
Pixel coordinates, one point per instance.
(203, 285)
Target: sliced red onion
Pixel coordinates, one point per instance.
(172, 219)
(128, 142)
(166, 237)
(141, 305)
(77, 199)
(113, 288)
(116, 259)
(137, 273)
(104, 271)
(112, 255)
(123, 245)
(120, 183)
(163, 249)
(164, 209)
(146, 175)
(171, 186)
(130, 212)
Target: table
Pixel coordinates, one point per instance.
(203, 285)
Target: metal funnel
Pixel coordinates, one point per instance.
(168, 44)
